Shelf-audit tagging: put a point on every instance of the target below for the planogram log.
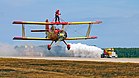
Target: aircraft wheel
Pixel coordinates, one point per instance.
(68, 47)
(49, 47)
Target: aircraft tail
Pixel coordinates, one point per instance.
(38, 30)
(45, 30)
(47, 26)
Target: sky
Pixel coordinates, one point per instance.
(120, 27)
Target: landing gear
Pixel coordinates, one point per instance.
(49, 45)
(68, 45)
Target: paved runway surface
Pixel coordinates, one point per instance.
(123, 60)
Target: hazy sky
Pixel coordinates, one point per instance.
(120, 27)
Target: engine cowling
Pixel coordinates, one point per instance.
(62, 35)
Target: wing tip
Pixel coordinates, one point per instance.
(94, 37)
(98, 21)
(17, 22)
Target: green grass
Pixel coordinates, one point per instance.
(27, 68)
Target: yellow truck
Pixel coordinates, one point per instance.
(109, 53)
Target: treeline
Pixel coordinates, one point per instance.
(127, 52)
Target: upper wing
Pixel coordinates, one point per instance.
(81, 38)
(56, 23)
(30, 38)
(40, 23)
(89, 22)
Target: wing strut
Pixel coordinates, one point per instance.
(23, 30)
(88, 31)
(63, 27)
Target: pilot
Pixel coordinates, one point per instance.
(57, 14)
(53, 28)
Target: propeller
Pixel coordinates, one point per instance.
(61, 36)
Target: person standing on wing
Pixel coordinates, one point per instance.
(57, 14)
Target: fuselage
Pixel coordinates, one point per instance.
(56, 34)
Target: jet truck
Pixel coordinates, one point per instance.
(109, 53)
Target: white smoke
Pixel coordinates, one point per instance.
(7, 50)
(85, 51)
(77, 50)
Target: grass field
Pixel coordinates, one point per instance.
(27, 68)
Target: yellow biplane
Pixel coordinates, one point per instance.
(53, 34)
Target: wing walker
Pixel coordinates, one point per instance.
(55, 34)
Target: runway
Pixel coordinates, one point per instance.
(122, 60)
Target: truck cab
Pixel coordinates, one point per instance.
(109, 53)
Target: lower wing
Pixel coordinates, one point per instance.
(81, 38)
(35, 38)
(30, 38)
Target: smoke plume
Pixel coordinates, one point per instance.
(83, 50)
(77, 50)
(7, 50)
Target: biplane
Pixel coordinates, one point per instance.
(55, 34)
